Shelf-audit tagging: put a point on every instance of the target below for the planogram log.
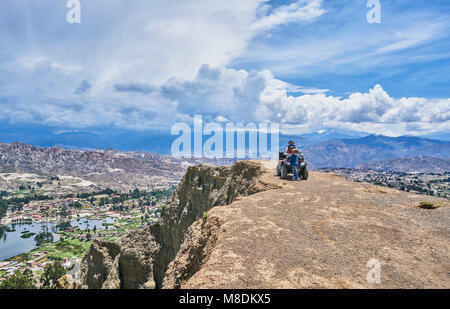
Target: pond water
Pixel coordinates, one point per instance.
(12, 244)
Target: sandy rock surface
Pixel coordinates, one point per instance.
(321, 233)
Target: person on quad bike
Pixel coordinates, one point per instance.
(285, 160)
(288, 152)
(293, 160)
(290, 148)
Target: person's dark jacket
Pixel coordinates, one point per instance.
(293, 159)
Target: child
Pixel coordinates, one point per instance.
(293, 159)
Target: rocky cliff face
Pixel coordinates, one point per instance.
(200, 240)
(125, 264)
(141, 258)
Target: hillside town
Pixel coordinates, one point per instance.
(57, 210)
(421, 183)
(64, 227)
(37, 263)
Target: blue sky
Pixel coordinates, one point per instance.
(408, 53)
(309, 64)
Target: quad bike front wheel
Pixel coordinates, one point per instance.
(304, 173)
(278, 170)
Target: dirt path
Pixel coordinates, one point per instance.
(321, 233)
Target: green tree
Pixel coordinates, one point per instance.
(3, 207)
(20, 280)
(135, 193)
(77, 205)
(52, 273)
(102, 201)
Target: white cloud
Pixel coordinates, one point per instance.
(102, 71)
(413, 36)
(219, 94)
(147, 41)
(259, 96)
(296, 12)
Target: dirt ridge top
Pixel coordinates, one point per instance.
(321, 233)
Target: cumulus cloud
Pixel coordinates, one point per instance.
(167, 38)
(134, 87)
(85, 87)
(239, 95)
(219, 94)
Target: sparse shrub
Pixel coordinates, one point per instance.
(428, 205)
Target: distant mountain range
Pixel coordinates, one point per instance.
(331, 148)
(350, 153)
(118, 170)
(150, 140)
(443, 136)
(96, 138)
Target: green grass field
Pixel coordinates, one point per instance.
(66, 249)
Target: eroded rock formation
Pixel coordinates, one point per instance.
(141, 258)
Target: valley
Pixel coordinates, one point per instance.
(419, 183)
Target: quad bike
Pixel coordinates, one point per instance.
(284, 167)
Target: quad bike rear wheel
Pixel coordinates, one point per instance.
(284, 172)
